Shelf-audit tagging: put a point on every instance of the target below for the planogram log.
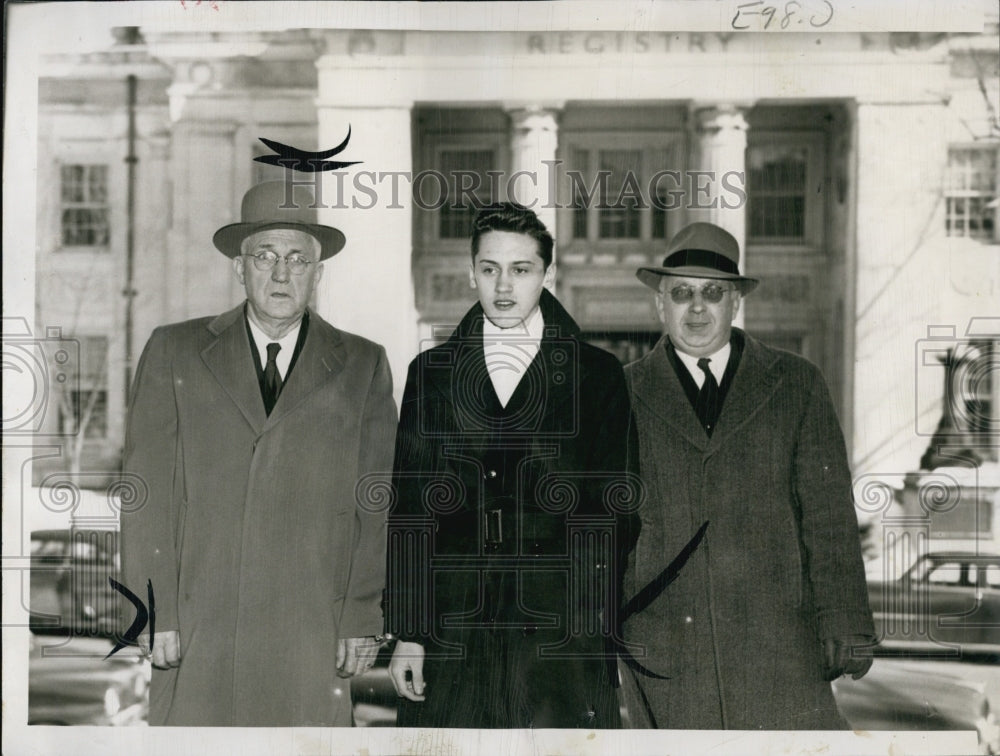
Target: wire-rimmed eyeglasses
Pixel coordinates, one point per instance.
(297, 263)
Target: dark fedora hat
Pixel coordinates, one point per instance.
(700, 250)
(265, 207)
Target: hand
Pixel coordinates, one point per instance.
(408, 658)
(841, 657)
(166, 651)
(355, 656)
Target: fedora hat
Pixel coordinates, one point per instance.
(263, 208)
(700, 250)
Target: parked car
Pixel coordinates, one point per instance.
(70, 682)
(73, 617)
(946, 603)
(906, 694)
(70, 591)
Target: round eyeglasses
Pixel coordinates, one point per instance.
(711, 293)
(297, 263)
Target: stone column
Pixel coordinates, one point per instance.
(721, 132)
(900, 278)
(722, 147)
(534, 136)
(368, 287)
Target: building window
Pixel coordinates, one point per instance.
(83, 403)
(621, 195)
(786, 186)
(776, 189)
(467, 188)
(971, 192)
(84, 202)
(460, 163)
(618, 210)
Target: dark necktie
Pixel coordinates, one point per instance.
(272, 378)
(707, 406)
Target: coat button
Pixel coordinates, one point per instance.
(688, 620)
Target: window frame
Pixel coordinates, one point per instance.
(63, 205)
(992, 146)
(670, 142)
(817, 173)
(429, 239)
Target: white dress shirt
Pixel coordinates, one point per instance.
(287, 342)
(509, 352)
(719, 361)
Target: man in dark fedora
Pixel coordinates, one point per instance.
(251, 431)
(772, 605)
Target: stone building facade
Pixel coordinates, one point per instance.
(858, 171)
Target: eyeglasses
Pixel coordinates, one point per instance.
(297, 263)
(711, 293)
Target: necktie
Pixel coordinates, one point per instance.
(272, 378)
(707, 406)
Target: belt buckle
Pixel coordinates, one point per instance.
(493, 528)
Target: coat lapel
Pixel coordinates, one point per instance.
(228, 358)
(657, 389)
(323, 356)
(755, 381)
(552, 368)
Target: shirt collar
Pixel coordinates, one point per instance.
(528, 330)
(719, 361)
(287, 342)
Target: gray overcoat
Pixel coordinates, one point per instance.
(739, 633)
(260, 551)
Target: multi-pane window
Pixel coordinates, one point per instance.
(467, 189)
(618, 211)
(621, 195)
(971, 192)
(84, 205)
(83, 403)
(777, 191)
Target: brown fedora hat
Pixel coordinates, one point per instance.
(264, 207)
(700, 250)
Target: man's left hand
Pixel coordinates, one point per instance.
(355, 656)
(841, 657)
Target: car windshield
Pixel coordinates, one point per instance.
(941, 572)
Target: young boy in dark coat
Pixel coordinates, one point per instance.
(514, 505)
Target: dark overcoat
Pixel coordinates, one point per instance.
(506, 536)
(260, 548)
(739, 633)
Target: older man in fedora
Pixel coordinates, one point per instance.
(772, 604)
(251, 431)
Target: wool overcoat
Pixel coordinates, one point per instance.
(253, 529)
(507, 537)
(739, 633)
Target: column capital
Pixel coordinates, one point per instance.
(534, 140)
(721, 116)
(534, 115)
